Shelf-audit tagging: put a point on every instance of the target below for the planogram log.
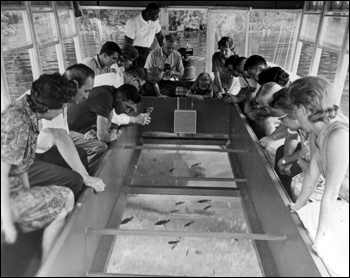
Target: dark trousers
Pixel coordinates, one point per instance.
(140, 61)
(50, 168)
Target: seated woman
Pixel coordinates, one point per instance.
(315, 105)
(202, 87)
(222, 76)
(39, 207)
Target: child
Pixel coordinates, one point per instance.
(202, 87)
(151, 87)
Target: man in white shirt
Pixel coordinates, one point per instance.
(169, 61)
(56, 154)
(140, 31)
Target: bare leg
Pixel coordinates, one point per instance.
(51, 232)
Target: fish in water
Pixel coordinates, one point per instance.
(207, 207)
(179, 203)
(162, 222)
(204, 201)
(175, 211)
(155, 159)
(127, 220)
(187, 251)
(174, 242)
(189, 223)
(171, 170)
(196, 164)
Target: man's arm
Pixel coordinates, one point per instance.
(68, 151)
(160, 38)
(7, 225)
(128, 40)
(102, 129)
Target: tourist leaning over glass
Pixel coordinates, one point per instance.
(38, 207)
(316, 108)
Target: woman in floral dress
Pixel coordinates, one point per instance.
(22, 207)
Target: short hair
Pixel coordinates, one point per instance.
(152, 7)
(51, 91)
(110, 48)
(274, 74)
(138, 73)
(170, 38)
(129, 92)
(79, 73)
(226, 42)
(129, 52)
(315, 94)
(254, 61)
(280, 100)
(267, 88)
(232, 60)
(154, 71)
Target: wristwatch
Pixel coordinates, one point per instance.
(284, 162)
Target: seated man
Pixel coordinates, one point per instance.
(56, 154)
(96, 110)
(169, 61)
(102, 62)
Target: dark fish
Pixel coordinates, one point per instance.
(204, 201)
(198, 175)
(155, 159)
(196, 164)
(171, 170)
(207, 207)
(198, 252)
(173, 246)
(175, 211)
(187, 251)
(179, 203)
(162, 222)
(174, 242)
(189, 223)
(126, 220)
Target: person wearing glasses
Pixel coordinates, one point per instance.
(170, 62)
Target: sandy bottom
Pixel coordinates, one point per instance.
(184, 256)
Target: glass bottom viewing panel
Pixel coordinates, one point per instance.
(154, 166)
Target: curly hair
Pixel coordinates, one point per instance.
(51, 91)
(226, 42)
(274, 74)
(315, 94)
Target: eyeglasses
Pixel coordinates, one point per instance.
(139, 83)
(282, 117)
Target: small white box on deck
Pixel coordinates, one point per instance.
(185, 121)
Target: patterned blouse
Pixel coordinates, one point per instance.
(19, 132)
